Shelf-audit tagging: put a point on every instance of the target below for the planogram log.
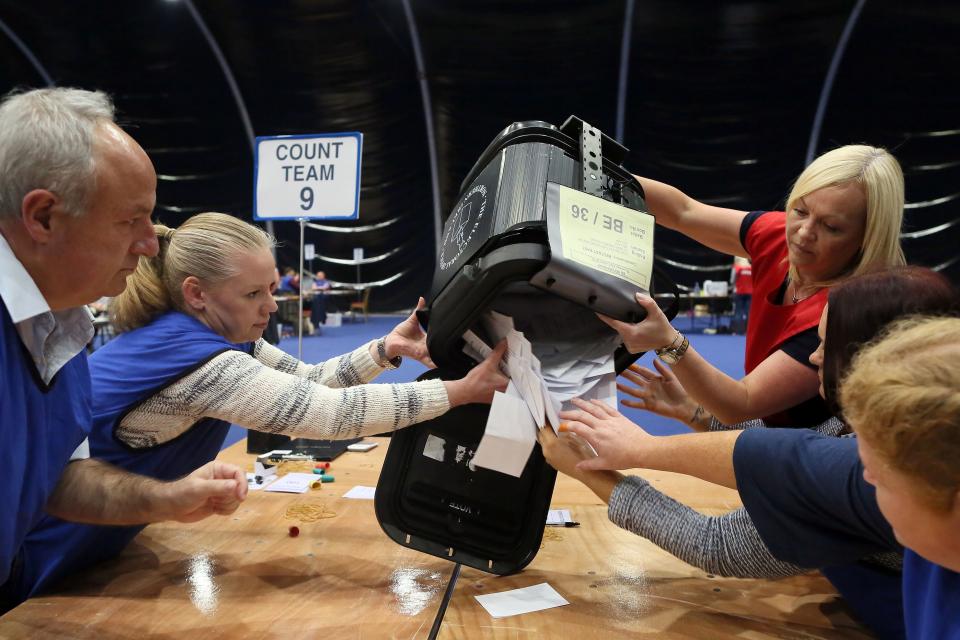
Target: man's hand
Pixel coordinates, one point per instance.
(408, 340)
(215, 488)
(96, 492)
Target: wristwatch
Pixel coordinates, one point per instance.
(672, 354)
(382, 359)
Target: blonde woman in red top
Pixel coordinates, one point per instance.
(843, 218)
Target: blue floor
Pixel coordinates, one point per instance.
(723, 351)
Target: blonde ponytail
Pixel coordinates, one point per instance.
(204, 246)
(146, 295)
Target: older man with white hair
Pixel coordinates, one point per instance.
(76, 196)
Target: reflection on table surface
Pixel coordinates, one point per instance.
(243, 576)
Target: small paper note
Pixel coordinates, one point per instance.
(557, 517)
(362, 446)
(434, 448)
(360, 492)
(292, 483)
(517, 601)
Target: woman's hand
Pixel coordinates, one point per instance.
(653, 332)
(564, 452)
(661, 394)
(481, 382)
(619, 443)
(408, 340)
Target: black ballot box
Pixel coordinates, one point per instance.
(549, 229)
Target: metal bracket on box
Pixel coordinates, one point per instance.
(591, 162)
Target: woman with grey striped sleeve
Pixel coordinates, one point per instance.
(730, 545)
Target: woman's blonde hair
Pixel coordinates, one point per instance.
(205, 246)
(879, 175)
(902, 396)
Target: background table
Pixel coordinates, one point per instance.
(243, 576)
(717, 306)
(288, 304)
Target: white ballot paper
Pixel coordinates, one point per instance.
(518, 363)
(543, 378)
(478, 350)
(361, 492)
(516, 601)
(604, 389)
(509, 436)
(557, 517)
(551, 409)
(292, 483)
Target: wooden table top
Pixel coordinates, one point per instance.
(243, 576)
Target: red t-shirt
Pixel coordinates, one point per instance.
(774, 326)
(770, 322)
(742, 279)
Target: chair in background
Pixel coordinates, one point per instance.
(309, 328)
(360, 305)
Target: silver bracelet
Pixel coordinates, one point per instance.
(382, 359)
(677, 339)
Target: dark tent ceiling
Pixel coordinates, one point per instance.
(722, 99)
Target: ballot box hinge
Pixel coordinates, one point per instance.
(591, 159)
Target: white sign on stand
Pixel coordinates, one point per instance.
(309, 252)
(314, 176)
(307, 177)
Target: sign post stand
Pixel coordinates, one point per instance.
(303, 224)
(358, 258)
(307, 177)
